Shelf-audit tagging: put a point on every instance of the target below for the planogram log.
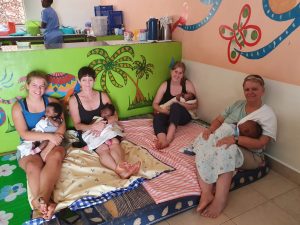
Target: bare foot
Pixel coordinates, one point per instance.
(51, 207)
(126, 170)
(40, 205)
(164, 144)
(157, 144)
(136, 167)
(36, 214)
(215, 208)
(161, 144)
(124, 165)
(205, 200)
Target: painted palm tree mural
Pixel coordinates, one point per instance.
(142, 68)
(114, 68)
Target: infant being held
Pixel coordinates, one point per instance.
(188, 98)
(110, 131)
(47, 124)
(224, 158)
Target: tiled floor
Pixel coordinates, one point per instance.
(273, 200)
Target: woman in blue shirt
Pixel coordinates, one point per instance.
(41, 174)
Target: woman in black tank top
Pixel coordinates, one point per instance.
(165, 120)
(86, 116)
(83, 107)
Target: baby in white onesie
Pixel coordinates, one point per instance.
(188, 98)
(47, 124)
(91, 142)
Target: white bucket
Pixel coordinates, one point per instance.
(99, 25)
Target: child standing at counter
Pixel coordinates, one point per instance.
(50, 22)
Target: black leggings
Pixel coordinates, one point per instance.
(178, 115)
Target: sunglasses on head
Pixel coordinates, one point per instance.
(255, 77)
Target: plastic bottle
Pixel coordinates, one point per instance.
(88, 27)
(122, 29)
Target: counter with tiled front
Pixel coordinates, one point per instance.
(68, 38)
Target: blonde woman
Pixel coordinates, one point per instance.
(252, 108)
(41, 175)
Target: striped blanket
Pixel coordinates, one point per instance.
(179, 183)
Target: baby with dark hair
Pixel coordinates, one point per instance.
(89, 141)
(200, 147)
(47, 124)
(188, 98)
(250, 128)
(107, 111)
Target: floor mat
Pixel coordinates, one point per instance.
(135, 207)
(14, 207)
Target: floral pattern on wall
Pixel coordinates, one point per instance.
(279, 11)
(240, 35)
(12, 11)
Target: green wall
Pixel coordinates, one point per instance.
(131, 74)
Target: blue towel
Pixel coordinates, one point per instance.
(19, 33)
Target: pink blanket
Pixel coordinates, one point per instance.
(179, 183)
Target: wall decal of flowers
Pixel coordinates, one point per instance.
(240, 35)
(277, 10)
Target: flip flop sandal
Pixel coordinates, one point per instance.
(36, 214)
(37, 210)
(42, 202)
